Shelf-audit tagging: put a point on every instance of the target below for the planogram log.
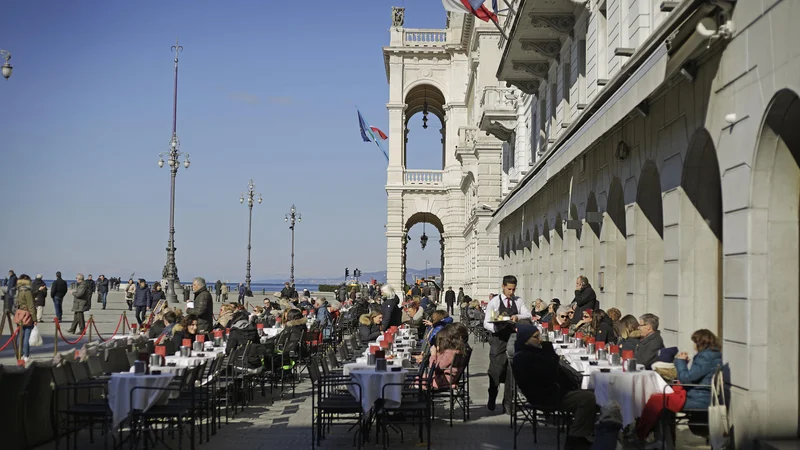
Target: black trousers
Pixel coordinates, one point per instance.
(77, 320)
(498, 368)
(450, 308)
(141, 314)
(582, 405)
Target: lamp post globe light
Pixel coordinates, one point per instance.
(7, 68)
(292, 217)
(170, 272)
(251, 193)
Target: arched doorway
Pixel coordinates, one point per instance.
(427, 262)
(648, 243)
(424, 126)
(700, 296)
(775, 238)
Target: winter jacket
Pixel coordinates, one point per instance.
(436, 328)
(630, 342)
(367, 330)
(82, 297)
(444, 374)
(647, 350)
(102, 286)
(59, 288)
(535, 369)
(704, 366)
(156, 328)
(156, 296)
(605, 331)
(585, 328)
(12, 285)
(38, 295)
(91, 285)
(24, 298)
(449, 297)
(584, 299)
(143, 297)
(392, 313)
(293, 332)
(203, 307)
(416, 320)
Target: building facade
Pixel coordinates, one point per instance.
(655, 150)
(449, 73)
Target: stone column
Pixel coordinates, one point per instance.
(394, 238)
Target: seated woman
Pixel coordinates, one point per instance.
(439, 320)
(369, 326)
(164, 325)
(539, 309)
(603, 327)
(293, 329)
(243, 331)
(412, 316)
(704, 366)
(584, 325)
(451, 342)
(560, 318)
(225, 315)
(186, 330)
(628, 332)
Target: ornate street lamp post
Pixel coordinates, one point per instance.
(251, 193)
(7, 68)
(292, 217)
(170, 269)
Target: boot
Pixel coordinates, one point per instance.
(492, 399)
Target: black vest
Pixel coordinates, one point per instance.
(504, 331)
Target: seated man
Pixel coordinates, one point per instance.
(536, 366)
(650, 343)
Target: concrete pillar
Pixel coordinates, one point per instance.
(395, 235)
(613, 267)
(557, 267)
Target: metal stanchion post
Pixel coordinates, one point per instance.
(89, 324)
(18, 350)
(124, 322)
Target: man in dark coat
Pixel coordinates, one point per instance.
(416, 291)
(218, 289)
(82, 299)
(538, 371)
(58, 291)
(11, 292)
(286, 292)
(92, 285)
(102, 290)
(39, 291)
(450, 299)
(650, 343)
(142, 300)
(585, 298)
(203, 306)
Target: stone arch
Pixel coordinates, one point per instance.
(612, 277)
(589, 259)
(422, 96)
(429, 82)
(429, 218)
(591, 206)
(647, 242)
(774, 241)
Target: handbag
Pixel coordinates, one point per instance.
(36, 338)
(23, 317)
(718, 425)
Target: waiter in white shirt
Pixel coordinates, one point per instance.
(509, 305)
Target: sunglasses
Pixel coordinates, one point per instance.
(562, 317)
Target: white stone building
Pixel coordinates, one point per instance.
(656, 151)
(449, 73)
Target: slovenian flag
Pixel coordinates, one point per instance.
(474, 7)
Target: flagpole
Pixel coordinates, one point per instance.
(502, 33)
(374, 139)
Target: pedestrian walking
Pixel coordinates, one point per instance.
(218, 289)
(241, 293)
(142, 300)
(39, 291)
(58, 290)
(450, 299)
(11, 292)
(82, 297)
(24, 317)
(130, 293)
(225, 290)
(102, 290)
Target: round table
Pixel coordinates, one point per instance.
(372, 385)
(630, 389)
(120, 386)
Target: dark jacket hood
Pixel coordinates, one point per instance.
(24, 285)
(293, 323)
(364, 320)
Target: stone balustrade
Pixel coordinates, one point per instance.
(418, 37)
(423, 177)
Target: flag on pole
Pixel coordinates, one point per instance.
(474, 7)
(368, 133)
(494, 6)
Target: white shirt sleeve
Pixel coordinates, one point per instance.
(522, 309)
(494, 305)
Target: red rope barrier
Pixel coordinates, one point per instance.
(94, 324)
(58, 327)
(11, 339)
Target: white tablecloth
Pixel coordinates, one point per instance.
(630, 389)
(361, 363)
(189, 361)
(372, 383)
(119, 393)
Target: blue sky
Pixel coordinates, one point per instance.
(266, 91)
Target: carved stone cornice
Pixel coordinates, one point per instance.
(562, 23)
(529, 87)
(538, 69)
(549, 48)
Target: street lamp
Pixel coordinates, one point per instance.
(7, 68)
(292, 217)
(251, 193)
(170, 271)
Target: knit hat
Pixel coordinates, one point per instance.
(667, 355)
(589, 312)
(524, 332)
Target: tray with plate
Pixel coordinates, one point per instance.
(499, 322)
